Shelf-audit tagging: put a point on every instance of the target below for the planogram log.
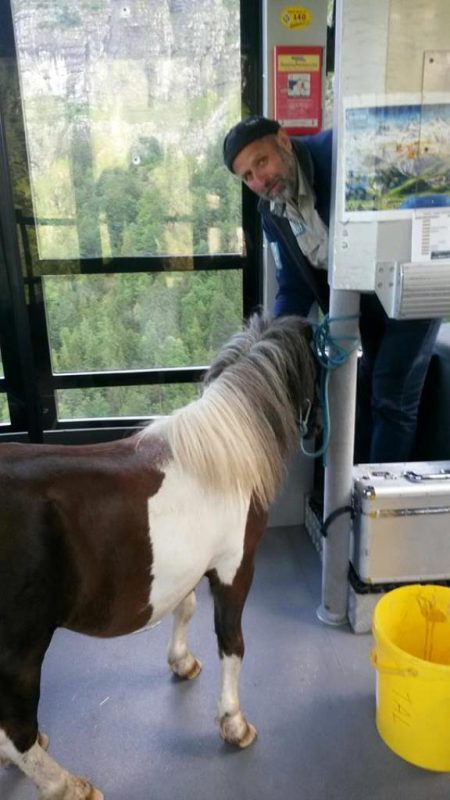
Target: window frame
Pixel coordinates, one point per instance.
(29, 382)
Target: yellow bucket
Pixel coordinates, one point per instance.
(411, 627)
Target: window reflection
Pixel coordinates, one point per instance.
(125, 107)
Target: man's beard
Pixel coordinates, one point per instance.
(287, 184)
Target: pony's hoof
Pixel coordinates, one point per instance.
(249, 737)
(81, 789)
(186, 668)
(96, 794)
(195, 670)
(236, 730)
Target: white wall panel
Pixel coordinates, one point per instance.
(391, 53)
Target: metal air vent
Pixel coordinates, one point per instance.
(414, 290)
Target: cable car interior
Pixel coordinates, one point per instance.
(129, 255)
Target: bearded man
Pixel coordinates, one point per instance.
(292, 177)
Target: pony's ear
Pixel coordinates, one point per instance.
(210, 375)
(237, 346)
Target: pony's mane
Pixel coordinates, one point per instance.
(238, 435)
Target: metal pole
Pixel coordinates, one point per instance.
(344, 310)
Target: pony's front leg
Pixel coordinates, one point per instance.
(228, 606)
(181, 661)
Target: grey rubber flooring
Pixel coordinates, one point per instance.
(115, 715)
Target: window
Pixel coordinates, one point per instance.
(4, 414)
(131, 245)
(125, 108)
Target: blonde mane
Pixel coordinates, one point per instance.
(237, 437)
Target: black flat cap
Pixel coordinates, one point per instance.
(246, 131)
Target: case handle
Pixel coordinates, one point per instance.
(416, 477)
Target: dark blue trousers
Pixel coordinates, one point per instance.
(391, 374)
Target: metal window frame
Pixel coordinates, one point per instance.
(29, 382)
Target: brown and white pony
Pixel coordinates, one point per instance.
(103, 539)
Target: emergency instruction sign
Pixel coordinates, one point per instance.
(298, 88)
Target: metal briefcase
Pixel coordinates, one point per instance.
(401, 525)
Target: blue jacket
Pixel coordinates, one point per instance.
(299, 283)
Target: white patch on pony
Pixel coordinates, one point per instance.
(192, 530)
(234, 727)
(4, 743)
(229, 694)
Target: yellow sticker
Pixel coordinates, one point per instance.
(295, 17)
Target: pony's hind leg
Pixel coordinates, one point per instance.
(52, 781)
(181, 661)
(228, 606)
(42, 739)
(20, 742)
(234, 727)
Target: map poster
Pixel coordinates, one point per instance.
(397, 158)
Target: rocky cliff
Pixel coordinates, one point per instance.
(127, 69)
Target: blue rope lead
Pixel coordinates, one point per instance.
(330, 355)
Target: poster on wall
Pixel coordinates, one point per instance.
(397, 156)
(298, 88)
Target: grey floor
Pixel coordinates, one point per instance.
(114, 714)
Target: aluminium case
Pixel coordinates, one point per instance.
(401, 525)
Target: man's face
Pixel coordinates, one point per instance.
(268, 167)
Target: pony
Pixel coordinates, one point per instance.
(104, 539)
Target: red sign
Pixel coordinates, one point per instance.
(298, 88)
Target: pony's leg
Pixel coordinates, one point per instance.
(181, 661)
(228, 606)
(42, 739)
(20, 741)
(234, 727)
(52, 781)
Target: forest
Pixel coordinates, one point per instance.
(163, 204)
(143, 320)
(138, 321)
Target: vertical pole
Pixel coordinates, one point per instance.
(344, 310)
